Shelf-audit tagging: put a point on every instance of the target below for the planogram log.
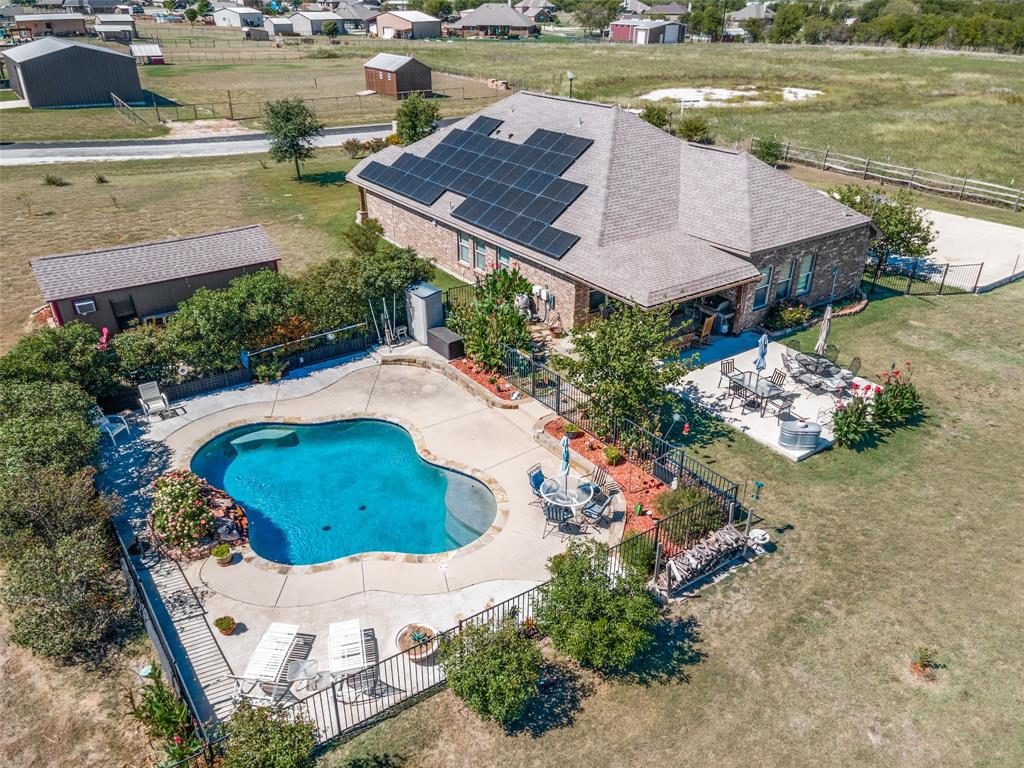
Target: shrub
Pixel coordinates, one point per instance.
(695, 127)
(570, 428)
(491, 320)
(328, 294)
(612, 455)
(99, 178)
(494, 670)
(850, 423)
(44, 424)
(638, 554)
(786, 314)
(599, 620)
(769, 150)
(144, 354)
(352, 147)
(225, 624)
(363, 238)
(54, 180)
(389, 270)
(925, 662)
(268, 737)
(165, 717)
(181, 513)
(68, 353)
(221, 550)
(897, 401)
(374, 145)
(678, 499)
(268, 371)
(657, 115)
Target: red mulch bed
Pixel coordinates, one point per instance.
(483, 378)
(638, 486)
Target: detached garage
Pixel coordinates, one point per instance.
(54, 72)
(392, 75)
(405, 25)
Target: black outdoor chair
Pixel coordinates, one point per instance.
(831, 353)
(556, 519)
(782, 404)
(854, 366)
(594, 511)
(728, 368)
(778, 377)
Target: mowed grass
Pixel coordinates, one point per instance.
(802, 658)
(156, 200)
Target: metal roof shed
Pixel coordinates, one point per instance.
(392, 75)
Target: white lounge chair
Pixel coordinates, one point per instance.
(112, 425)
(152, 400)
(263, 679)
(350, 662)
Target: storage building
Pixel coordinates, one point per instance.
(237, 17)
(392, 75)
(312, 22)
(405, 25)
(36, 25)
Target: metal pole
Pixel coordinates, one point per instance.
(942, 283)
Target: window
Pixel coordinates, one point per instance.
(85, 306)
(782, 287)
(480, 255)
(761, 292)
(597, 300)
(803, 280)
(464, 247)
(504, 259)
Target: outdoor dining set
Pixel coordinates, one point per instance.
(573, 504)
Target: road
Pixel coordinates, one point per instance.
(25, 153)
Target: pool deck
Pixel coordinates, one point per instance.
(449, 424)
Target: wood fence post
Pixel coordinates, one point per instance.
(962, 188)
(231, 107)
(867, 164)
(785, 155)
(824, 160)
(910, 180)
(1016, 205)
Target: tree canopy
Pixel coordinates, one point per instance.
(903, 230)
(292, 128)
(416, 118)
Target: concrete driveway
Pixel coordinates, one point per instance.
(963, 240)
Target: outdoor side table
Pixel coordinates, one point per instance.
(303, 670)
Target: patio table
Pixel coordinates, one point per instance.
(568, 491)
(758, 387)
(817, 364)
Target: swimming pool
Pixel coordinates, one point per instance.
(314, 493)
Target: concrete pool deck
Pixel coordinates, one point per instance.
(385, 592)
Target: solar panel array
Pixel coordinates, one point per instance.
(512, 190)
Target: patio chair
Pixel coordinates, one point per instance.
(683, 341)
(728, 367)
(263, 681)
(778, 377)
(782, 403)
(112, 425)
(705, 332)
(536, 477)
(854, 368)
(831, 353)
(556, 519)
(596, 509)
(152, 400)
(603, 482)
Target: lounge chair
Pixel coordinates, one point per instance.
(263, 681)
(727, 370)
(353, 658)
(112, 425)
(153, 401)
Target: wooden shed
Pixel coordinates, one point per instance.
(392, 75)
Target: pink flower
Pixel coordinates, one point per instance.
(686, 428)
(877, 389)
(854, 386)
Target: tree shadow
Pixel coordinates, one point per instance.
(383, 760)
(325, 179)
(561, 691)
(676, 647)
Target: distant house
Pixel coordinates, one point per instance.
(88, 6)
(114, 27)
(758, 11)
(494, 20)
(352, 15)
(237, 17)
(538, 11)
(634, 8)
(405, 25)
(10, 11)
(312, 22)
(278, 25)
(399, 76)
(54, 72)
(672, 11)
(645, 32)
(116, 288)
(34, 25)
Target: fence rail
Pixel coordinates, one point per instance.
(960, 187)
(922, 278)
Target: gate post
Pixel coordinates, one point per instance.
(910, 280)
(533, 377)
(942, 283)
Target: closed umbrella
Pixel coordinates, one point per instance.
(565, 460)
(826, 325)
(762, 352)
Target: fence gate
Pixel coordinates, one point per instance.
(923, 278)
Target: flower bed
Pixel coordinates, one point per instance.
(499, 387)
(189, 516)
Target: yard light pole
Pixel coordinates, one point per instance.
(570, 75)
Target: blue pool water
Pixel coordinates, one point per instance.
(314, 493)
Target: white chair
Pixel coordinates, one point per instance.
(112, 425)
(263, 680)
(152, 400)
(350, 662)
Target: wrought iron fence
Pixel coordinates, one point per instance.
(922, 278)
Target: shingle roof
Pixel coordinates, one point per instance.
(110, 269)
(389, 62)
(47, 45)
(355, 11)
(751, 11)
(493, 15)
(671, 9)
(317, 15)
(661, 219)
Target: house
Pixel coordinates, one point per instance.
(405, 25)
(672, 11)
(237, 16)
(54, 72)
(114, 27)
(352, 15)
(758, 11)
(494, 20)
(34, 25)
(311, 22)
(278, 25)
(117, 287)
(538, 11)
(10, 11)
(632, 8)
(645, 32)
(591, 202)
(391, 75)
(88, 6)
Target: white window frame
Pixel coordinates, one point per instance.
(784, 285)
(84, 307)
(764, 285)
(805, 278)
(479, 255)
(504, 259)
(465, 249)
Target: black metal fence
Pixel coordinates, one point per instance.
(922, 278)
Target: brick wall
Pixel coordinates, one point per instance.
(846, 250)
(440, 243)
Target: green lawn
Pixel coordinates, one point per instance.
(444, 281)
(802, 658)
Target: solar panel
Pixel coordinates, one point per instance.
(536, 182)
(457, 137)
(441, 152)
(469, 208)
(494, 192)
(484, 125)
(428, 192)
(561, 243)
(406, 162)
(563, 191)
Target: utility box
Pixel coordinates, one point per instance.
(426, 309)
(446, 343)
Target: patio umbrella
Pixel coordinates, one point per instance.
(762, 351)
(826, 324)
(565, 460)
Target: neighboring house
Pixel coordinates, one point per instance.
(634, 8)
(494, 20)
(590, 202)
(118, 287)
(645, 32)
(405, 25)
(114, 27)
(311, 22)
(758, 11)
(399, 76)
(278, 25)
(672, 11)
(54, 72)
(237, 17)
(352, 15)
(33, 25)
(538, 11)
(10, 11)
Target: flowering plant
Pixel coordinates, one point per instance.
(897, 401)
(181, 512)
(850, 422)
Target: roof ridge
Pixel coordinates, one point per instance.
(145, 243)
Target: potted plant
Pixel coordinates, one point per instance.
(571, 430)
(225, 624)
(612, 456)
(223, 554)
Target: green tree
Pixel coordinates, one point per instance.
(817, 30)
(44, 424)
(293, 129)
(595, 14)
(492, 321)
(601, 619)
(329, 294)
(439, 9)
(658, 115)
(390, 270)
(191, 14)
(268, 737)
(68, 353)
(416, 118)
(625, 362)
(754, 29)
(168, 6)
(204, 7)
(695, 127)
(903, 230)
(363, 237)
(330, 28)
(144, 354)
(786, 25)
(494, 670)
(769, 150)
(711, 22)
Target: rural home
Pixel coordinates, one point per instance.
(590, 202)
(10, 11)
(538, 11)
(405, 25)
(237, 17)
(644, 32)
(115, 288)
(392, 75)
(54, 72)
(352, 15)
(36, 25)
(278, 25)
(311, 22)
(671, 11)
(114, 27)
(494, 20)
(757, 11)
